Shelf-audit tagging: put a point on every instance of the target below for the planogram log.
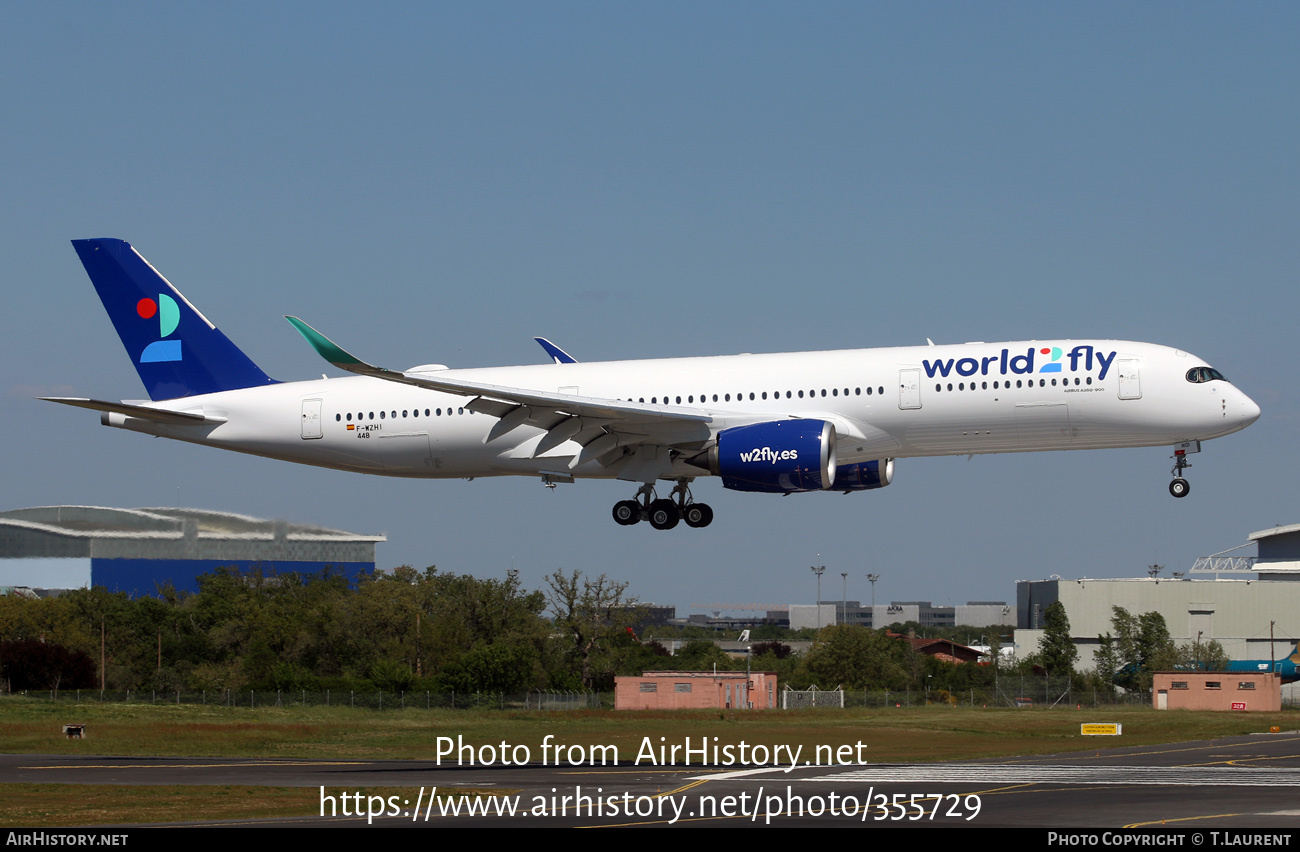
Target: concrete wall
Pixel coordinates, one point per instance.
(695, 690)
(811, 615)
(1236, 613)
(1216, 691)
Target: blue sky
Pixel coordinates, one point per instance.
(433, 182)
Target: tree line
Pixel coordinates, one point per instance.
(1128, 654)
(399, 630)
(407, 630)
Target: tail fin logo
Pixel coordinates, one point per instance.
(169, 317)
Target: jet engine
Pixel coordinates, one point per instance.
(864, 476)
(778, 457)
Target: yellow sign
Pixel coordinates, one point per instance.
(1101, 729)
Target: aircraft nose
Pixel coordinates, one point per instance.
(1249, 411)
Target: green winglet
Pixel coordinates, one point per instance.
(326, 348)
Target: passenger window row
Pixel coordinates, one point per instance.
(362, 416)
(386, 415)
(761, 395)
(1042, 383)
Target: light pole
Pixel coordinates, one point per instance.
(873, 578)
(819, 570)
(844, 598)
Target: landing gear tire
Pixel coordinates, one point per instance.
(664, 514)
(1179, 487)
(697, 515)
(627, 512)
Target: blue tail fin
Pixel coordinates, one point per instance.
(175, 349)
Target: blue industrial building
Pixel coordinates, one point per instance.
(137, 550)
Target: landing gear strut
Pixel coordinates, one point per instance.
(1180, 486)
(663, 514)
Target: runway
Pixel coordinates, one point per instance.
(1239, 783)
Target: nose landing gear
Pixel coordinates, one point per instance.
(663, 514)
(1180, 487)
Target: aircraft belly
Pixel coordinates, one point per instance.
(1110, 422)
(1079, 422)
(406, 453)
(1043, 426)
(935, 431)
(226, 437)
(341, 454)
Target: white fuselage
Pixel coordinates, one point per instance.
(885, 403)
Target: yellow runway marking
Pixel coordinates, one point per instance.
(681, 789)
(1178, 819)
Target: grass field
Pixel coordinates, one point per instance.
(918, 734)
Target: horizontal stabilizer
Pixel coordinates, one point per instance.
(144, 412)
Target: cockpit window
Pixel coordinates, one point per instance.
(1197, 375)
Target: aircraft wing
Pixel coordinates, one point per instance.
(634, 435)
(602, 426)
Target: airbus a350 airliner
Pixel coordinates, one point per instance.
(778, 423)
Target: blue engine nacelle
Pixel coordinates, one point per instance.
(780, 457)
(864, 476)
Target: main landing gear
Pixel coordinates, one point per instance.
(1180, 487)
(663, 514)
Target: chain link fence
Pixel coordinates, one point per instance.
(800, 699)
(1018, 691)
(1008, 692)
(365, 700)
